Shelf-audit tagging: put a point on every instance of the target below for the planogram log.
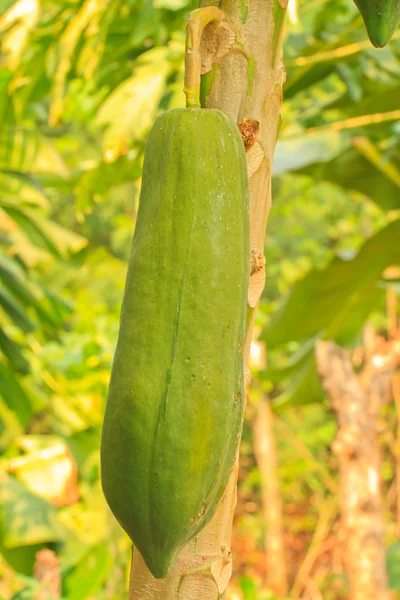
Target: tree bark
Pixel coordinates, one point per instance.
(266, 457)
(242, 60)
(47, 572)
(357, 449)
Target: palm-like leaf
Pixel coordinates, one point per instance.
(25, 232)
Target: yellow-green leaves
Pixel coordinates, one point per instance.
(129, 110)
(17, 23)
(89, 15)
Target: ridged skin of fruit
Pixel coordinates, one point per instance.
(175, 405)
(381, 18)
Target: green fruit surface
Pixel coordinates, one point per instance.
(175, 405)
(381, 18)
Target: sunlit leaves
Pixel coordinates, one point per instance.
(297, 151)
(18, 22)
(366, 168)
(15, 396)
(89, 14)
(130, 109)
(340, 298)
(24, 518)
(338, 295)
(92, 571)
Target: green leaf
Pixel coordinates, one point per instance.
(334, 295)
(386, 101)
(352, 82)
(32, 227)
(249, 588)
(14, 395)
(25, 519)
(292, 365)
(63, 239)
(12, 276)
(393, 565)
(306, 77)
(10, 426)
(90, 574)
(23, 178)
(304, 388)
(353, 171)
(54, 305)
(5, 78)
(294, 152)
(18, 148)
(95, 183)
(171, 4)
(13, 352)
(45, 233)
(129, 110)
(351, 317)
(21, 559)
(51, 311)
(16, 312)
(83, 443)
(145, 24)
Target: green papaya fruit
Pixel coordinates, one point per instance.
(381, 18)
(175, 406)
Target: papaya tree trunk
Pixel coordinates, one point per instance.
(358, 452)
(243, 76)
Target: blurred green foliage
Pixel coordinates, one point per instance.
(80, 84)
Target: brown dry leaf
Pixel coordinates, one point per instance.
(50, 473)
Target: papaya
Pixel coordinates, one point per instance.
(175, 405)
(381, 18)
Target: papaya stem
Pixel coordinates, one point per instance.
(197, 22)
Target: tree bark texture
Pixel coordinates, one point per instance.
(266, 457)
(357, 449)
(243, 76)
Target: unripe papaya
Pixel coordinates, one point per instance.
(175, 405)
(381, 18)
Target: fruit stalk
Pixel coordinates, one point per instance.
(245, 83)
(197, 22)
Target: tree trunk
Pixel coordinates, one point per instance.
(357, 449)
(245, 76)
(265, 452)
(47, 572)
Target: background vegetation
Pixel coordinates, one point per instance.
(80, 84)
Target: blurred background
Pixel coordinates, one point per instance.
(80, 84)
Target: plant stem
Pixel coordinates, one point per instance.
(198, 21)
